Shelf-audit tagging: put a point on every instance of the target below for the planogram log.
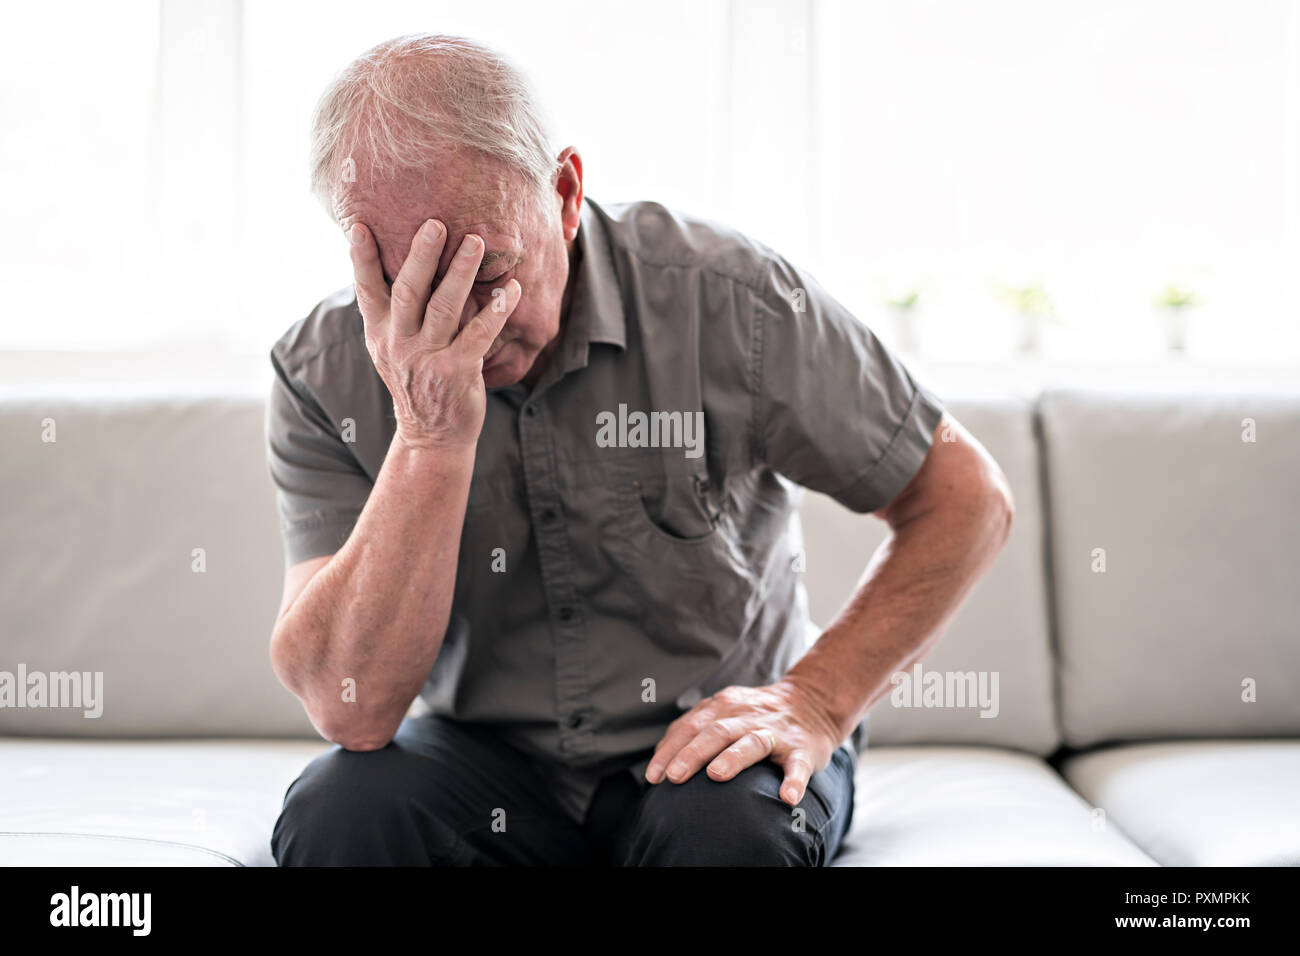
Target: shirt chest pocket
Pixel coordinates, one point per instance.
(676, 549)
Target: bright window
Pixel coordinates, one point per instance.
(1089, 154)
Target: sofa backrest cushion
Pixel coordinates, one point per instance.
(1176, 559)
(141, 543)
(1001, 629)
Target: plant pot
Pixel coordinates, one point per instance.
(908, 326)
(1028, 332)
(1177, 320)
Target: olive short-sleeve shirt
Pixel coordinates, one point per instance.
(629, 544)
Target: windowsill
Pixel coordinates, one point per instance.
(214, 370)
(181, 369)
(1030, 375)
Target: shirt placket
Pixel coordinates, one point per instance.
(545, 506)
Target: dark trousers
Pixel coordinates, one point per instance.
(443, 793)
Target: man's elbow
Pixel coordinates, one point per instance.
(969, 492)
(351, 731)
(997, 506)
(284, 658)
(351, 740)
(980, 491)
(336, 720)
(977, 500)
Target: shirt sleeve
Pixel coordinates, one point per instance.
(320, 486)
(836, 411)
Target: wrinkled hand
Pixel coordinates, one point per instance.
(739, 726)
(432, 367)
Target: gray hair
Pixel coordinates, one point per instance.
(409, 99)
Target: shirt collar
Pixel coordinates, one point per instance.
(596, 307)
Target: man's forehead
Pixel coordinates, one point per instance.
(458, 196)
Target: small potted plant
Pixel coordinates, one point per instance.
(1032, 307)
(1176, 302)
(902, 303)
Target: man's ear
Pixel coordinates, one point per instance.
(568, 186)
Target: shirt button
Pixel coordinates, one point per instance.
(530, 411)
(548, 516)
(574, 721)
(565, 613)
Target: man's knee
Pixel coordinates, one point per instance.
(354, 808)
(739, 822)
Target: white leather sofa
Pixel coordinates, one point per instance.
(1146, 714)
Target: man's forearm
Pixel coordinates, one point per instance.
(378, 610)
(914, 584)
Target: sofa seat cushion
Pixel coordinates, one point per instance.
(973, 806)
(79, 849)
(1200, 803)
(144, 803)
(214, 802)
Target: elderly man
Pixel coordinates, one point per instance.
(538, 470)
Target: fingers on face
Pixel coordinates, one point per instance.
(413, 305)
(481, 331)
(414, 280)
(368, 275)
(442, 317)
